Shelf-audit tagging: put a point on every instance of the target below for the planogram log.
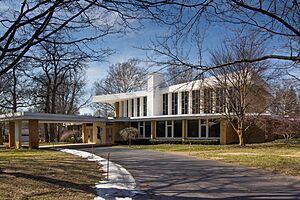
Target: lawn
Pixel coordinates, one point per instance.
(278, 157)
(45, 174)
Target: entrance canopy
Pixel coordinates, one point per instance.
(49, 118)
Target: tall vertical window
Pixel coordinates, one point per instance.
(177, 128)
(145, 106)
(147, 129)
(160, 128)
(174, 103)
(220, 100)
(193, 128)
(208, 100)
(127, 109)
(184, 102)
(141, 129)
(138, 104)
(132, 107)
(165, 104)
(122, 109)
(196, 102)
(203, 128)
(169, 128)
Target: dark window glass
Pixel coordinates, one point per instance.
(138, 103)
(135, 125)
(177, 128)
(196, 102)
(165, 104)
(193, 128)
(169, 131)
(147, 129)
(174, 103)
(145, 106)
(141, 129)
(132, 107)
(127, 109)
(214, 128)
(207, 100)
(160, 129)
(185, 102)
(203, 131)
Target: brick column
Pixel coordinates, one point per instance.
(84, 134)
(153, 130)
(184, 130)
(11, 135)
(33, 126)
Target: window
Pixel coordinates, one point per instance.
(138, 103)
(208, 100)
(122, 109)
(214, 128)
(196, 102)
(185, 102)
(220, 100)
(165, 104)
(141, 129)
(177, 128)
(147, 129)
(169, 128)
(193, 128)
(145, 106)
(135, 125)
(160, 129)
(203, 128)
(132, 107)
(174, 103)
(127, 109)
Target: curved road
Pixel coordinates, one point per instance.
(171, 176)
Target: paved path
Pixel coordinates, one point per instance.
(170, 176)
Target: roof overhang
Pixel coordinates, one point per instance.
(49, 118)
(112, 98)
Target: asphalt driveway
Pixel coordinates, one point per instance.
(171, 176)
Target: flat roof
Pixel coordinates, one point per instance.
(49, 118)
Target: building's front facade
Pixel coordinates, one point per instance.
(185, 111)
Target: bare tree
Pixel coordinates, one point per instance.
(276, 21)
(121, 78)
(16, 90)
(285, 99)
(286, 127)
(241, 91)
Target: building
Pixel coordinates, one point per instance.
(187, 111)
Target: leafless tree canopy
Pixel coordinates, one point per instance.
(123, 77)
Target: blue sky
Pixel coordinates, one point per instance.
(126, 48)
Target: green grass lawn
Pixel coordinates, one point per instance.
(279, 157)
(45, 174)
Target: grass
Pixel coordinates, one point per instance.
(279, 157)
(45, 174)
(54, 143)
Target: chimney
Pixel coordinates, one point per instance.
(155, 82)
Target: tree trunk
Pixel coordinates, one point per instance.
(241, 138)
(52, 133)
(1, 134)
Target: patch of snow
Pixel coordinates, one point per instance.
(120, 186)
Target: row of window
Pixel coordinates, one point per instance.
(211, 101)
(196, 128)
(129, 109)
